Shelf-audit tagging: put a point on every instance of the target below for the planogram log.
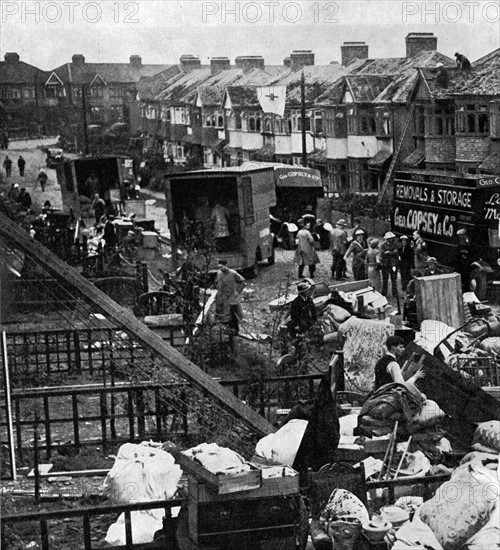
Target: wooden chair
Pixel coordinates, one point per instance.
(321, 485)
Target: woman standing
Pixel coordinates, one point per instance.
(305, 253)
(358, 250)
(372, 262)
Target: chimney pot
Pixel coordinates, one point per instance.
(417, 42)
(301, 58)
(189, 62)
(248, 62)
(78, 59)
(136, 61)
(220, 64)
(11, 57)
(353, 50)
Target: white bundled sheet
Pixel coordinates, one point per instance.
(282, 446)
(140, 473)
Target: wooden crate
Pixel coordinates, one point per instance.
(439, 298)
(218, 484)
(270, 512)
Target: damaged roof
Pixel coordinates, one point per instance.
(366, 88)
(319, 80)
(382, 80)
(243, 97)
(483, 78)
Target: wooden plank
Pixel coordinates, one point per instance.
(212, 294)
(439, 298)
(173, 358)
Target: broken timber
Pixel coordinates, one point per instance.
(52, 264)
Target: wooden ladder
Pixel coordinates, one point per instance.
(395, 156)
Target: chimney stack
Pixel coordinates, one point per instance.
(220, 64)
(11, 57)
(136, 61)
(417, 42)
(190, 62)
(301, 58)
(249, 62)
(351, 51)
(78, 59)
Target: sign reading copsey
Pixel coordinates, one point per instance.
(429, 221)
(297, 177)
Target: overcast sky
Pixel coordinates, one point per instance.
(46, 33)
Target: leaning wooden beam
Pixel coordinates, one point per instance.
(203, 313)
(56, 267)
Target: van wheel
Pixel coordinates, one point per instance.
(272, 258)
(253, 271)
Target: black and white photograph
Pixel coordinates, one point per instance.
(250, 274)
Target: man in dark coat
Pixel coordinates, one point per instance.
(462, 62)
(463, 259)
(21, 164)
(302, 310)
(110, 234)
(406, 261)
(338, 246)
(389, 261)
(7, 164)
(24, 199)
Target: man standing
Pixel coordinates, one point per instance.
(21, 164)
(42, 179)
(463, 258)
(302, 314)
(24, 199)
(110, 234)
(306, 253)
(229, 286)
(406, 261)
(7, 164)
(389, 261)
(98, 206)
(338, 240)
(420, 251)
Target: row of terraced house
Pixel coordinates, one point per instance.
(359, 112)
(438, 116)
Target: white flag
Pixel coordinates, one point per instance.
(272, 99)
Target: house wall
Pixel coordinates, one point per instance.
(440, 149)
(297, 143)
(470, 148)
(336, 148)
(361, 146)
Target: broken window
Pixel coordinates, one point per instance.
(473, 118)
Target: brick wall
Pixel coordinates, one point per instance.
(472, 148)
(440, 149)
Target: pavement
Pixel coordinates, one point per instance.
(35, 159)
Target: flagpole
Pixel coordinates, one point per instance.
(303, 117)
